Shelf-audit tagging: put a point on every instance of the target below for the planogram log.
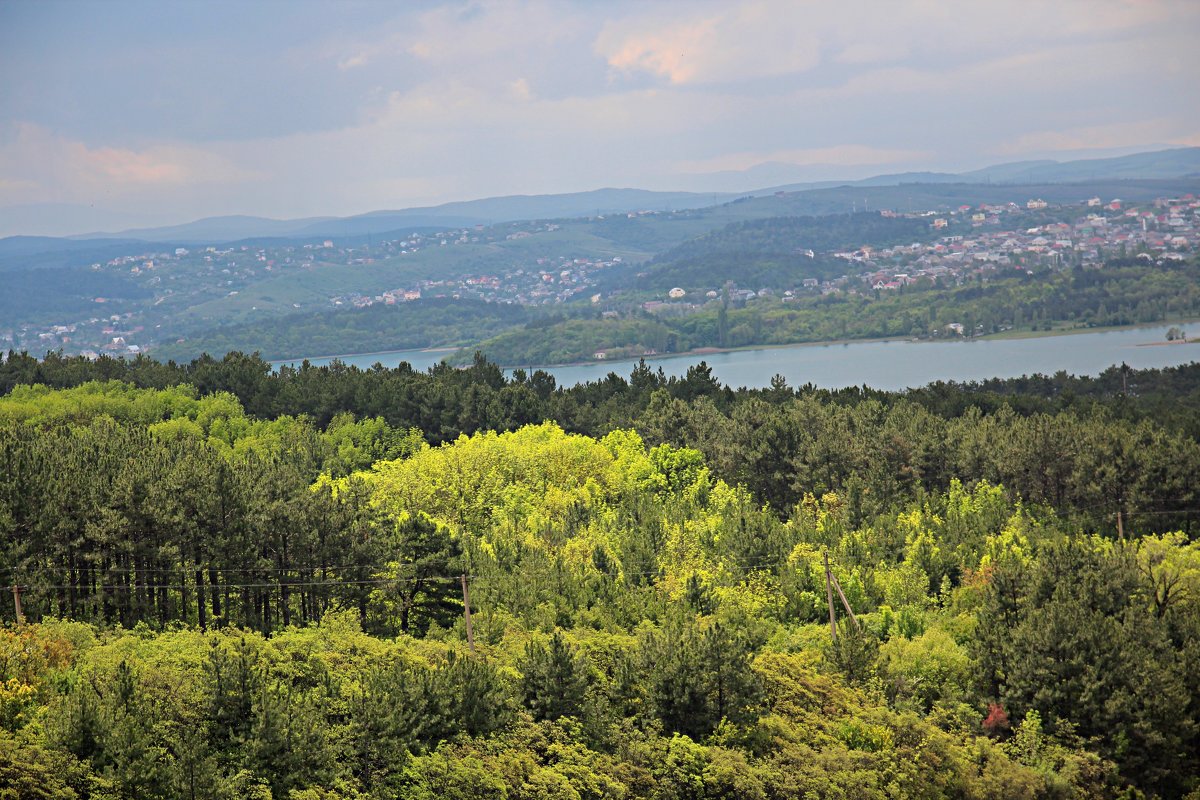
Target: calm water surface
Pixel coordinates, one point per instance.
(420, 360)
(885, 365)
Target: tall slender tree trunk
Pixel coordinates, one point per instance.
(201, 600)
(215, 582)
(185, 600)
(284, 604)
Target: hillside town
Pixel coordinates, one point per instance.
(1169, 229)
(509, 264)
(978, 243)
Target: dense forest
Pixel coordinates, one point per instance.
(417, 324)
(342, 583)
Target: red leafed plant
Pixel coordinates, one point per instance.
(996, 722)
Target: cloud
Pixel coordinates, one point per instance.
(123, 166)
(520, 89)
(735, 44)
(474, 32)
(1133, 133)
(870, 53)
(42, 165)
(17, 185)
(715, 43)
(838, 155)
(352, 61)
(677, 53)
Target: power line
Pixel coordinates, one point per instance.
(298, 584)
(206, 568)
(475, 579)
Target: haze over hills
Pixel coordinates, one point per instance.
(64, 219)
(1156, 163)
(36, 252)
(485, 211)
(214, 229)
(1163, 164)
(1160, 164)
(1174, 163)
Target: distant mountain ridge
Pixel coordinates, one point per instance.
(1175, 163)
(1182, 162)
(214, 229)
(1162, 164)
(460, 213)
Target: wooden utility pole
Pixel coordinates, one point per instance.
(16, 590)
(467, 614)
(1120, 526)
(829, 597)
(849, 610)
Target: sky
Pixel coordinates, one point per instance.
(167, 111)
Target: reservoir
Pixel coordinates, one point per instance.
(890, 365)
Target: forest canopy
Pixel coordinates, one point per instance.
(246, 583)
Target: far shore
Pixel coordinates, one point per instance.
(1169, 344)
(708, 351)
(703, 351)
(1023, 334)
(371, 353)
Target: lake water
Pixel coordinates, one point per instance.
(420, 360)
(885, 365)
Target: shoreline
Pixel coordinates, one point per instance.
(361, 355)
(712, 351)
(1007, 335)
(706, 351)
(1169, 344)
(991, 337)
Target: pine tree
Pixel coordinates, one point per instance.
(554, 679)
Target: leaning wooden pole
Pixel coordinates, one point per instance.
(829, 597)
(16, 590)
(467, 614)
(849, 610)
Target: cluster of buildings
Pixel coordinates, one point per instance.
(976, 241)
(542, 281)
(112, 334)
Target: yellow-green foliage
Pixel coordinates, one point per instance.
(522, 490)
(29, 657)
(518, 481)
(42, 406)
(926, 669)
(217, 420)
